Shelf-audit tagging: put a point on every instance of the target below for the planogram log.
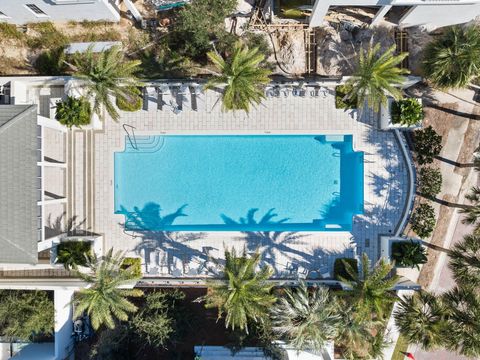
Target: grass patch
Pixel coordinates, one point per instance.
(401, 345)
(47, 37)
(10, 31)
(107, 35)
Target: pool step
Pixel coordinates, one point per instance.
(144, 143)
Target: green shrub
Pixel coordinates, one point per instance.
(28, 315)
(341, 102)
(10, 31)
(135, 263)
(429, 182)
(409, 254)
(198, 24)
(423, 220)
(407, 112)
(51, 62)
(48, 36)
(70, 253)
(133, 103)
(427, 144)
(73, 112)
(339, 270)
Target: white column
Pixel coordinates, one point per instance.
(61, 165)
(50, 123)
(63, 323)
(380, 14)
(320, 9)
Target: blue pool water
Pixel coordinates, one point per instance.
(242, 183)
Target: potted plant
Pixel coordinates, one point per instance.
(407, 112)
(74, 253)
(130, 102)
(339, 271)
(134, 263)
(344, 99)
(408, 253)
(73, 112)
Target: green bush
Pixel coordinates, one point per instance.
(135, 263)
(408, 254)
(51, 62)
(129, 103)
(74, 112)
(423, 220)
(10, 31)
(407, 112)
(429, 182)
(28, 315)
(48, 36)
(198, 24)
(339, 270)
(427, 144)
(341, 91)
(71, 253)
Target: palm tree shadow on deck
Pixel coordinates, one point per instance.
(148, 224)
(287, 244)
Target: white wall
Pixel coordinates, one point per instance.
(17, 13)
(63, 323)
(434, 16)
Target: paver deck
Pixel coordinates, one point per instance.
(384, 193)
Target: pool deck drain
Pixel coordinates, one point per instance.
(384, 170)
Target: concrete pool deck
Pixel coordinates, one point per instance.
(386, 182)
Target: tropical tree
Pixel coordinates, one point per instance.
(377, 77)
(26, 314)
(104, 299)
(465, 261)
(427, 145)
(371, 288)
(453, 59)
(423, 220)
(106, 75)
(306, 319)
(242, 75)
(463, 322)
(429, 182)
(421, 319)
(472, 211)
(243, 294)
(355, 333)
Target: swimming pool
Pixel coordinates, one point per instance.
(239, 183)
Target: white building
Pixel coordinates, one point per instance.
(25, 11)
(429, 13)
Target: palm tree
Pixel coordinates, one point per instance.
(355, 333)
(371, 287)
(105, 75)
(307, 319)
(472, 212)
(465, 261)
(243, 294)
(421, 319)
(243, 76)
(463, 323)
(104, 299)
(377, 77)
(453, 60)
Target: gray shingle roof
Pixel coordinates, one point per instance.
(19, 184)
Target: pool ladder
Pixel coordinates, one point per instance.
(134, 142)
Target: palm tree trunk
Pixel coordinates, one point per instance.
(436, 247)
(446, 203)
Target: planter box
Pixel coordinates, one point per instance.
(386, 252)
(386, 118)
